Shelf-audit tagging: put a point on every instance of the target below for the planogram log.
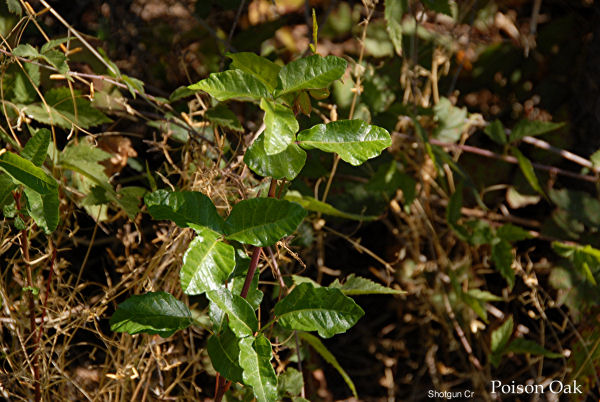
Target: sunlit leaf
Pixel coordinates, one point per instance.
(232, 84)
(312, 72)
(153, 313)
(224, 352)
(260, 67)
(284, 165)
(280, 127)
(356, 285)
(255, 360)
(242, 320)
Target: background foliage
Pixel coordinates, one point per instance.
(484, 209)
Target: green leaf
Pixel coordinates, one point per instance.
(26, 173)
(499, 340)
(532, 128)
(224, 352)
(180, 93)
(242, 320)
(259, 67)
(207, 263)
(221, 116)
(325, 310)
(6, 187)
(24, 81)
(290, 382)
(312, 204)
(521, 346)
(451, 121)
(353, 140)
(495, 130)
(528, 172)
(27, 51)
(586, 259)
(502, 257)
(312, 72)
(578, 204)
(152, 313)
(133, 85)
(85, 158)
(356, 285)
(512, 233)
(318, 346)
(394, 10)
(184, 208)
(284, 165)
(255, 360)
(62, 112)
(280, 127)
(232, 84)
(263, 221)
(36, 148)
(439, 6)
(501, 336)
(57, 59)
(14, 7)
(43, 209)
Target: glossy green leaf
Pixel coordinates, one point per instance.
(26, 173)
(255, 360)
(221, 116)
(353, 140)
(312, 72)
(356, 285)
(532, 128)
(512, 233)
(242, 320)
(522, 346)
(394, 11)
(263, 221)
(43, 209)
(280, 127)
(232, 84)
(451, 121)
(36, 148)
(502, 257)
(153, 313)
(495, 130)
(318, 346)
(284, 165)
(184, 208)
(224, 352)
(180, 93)
(207, 262)
(325, 310)
(260, 67)
(312, 204)
(528, 172)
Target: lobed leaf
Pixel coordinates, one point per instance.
(207, 263)
(184, 208)
(353, 140)
(255, 360)
(224, 352)
(263, 221)
(356, 285)
(259, 67)
(325, 310)
(312, 72)
(152, 313)
(280, 127)
(242, 320)
(232, 84)
(284, 165)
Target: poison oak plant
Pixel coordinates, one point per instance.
(216, 263)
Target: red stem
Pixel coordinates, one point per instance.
(223, 385)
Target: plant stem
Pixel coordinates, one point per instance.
(222, 384)
(25, 252)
